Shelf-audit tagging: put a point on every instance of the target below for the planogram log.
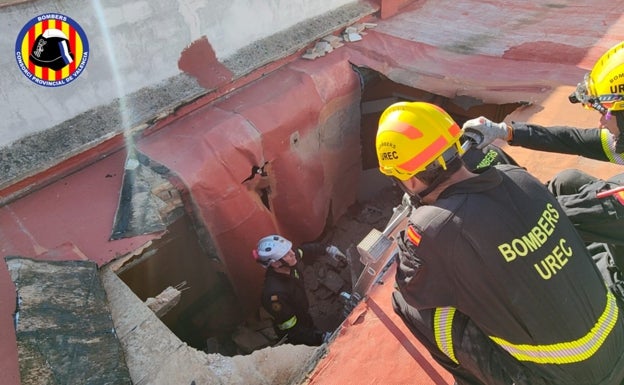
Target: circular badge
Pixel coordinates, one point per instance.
(52, 50)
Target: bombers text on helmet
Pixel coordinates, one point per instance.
(603, 87)
(414, 135)
(270, 249)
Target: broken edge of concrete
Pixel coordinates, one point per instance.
(62, 324)
(154, 355)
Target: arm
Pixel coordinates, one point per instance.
(422, 275)
(561, 139)
(593, 143)
(309, 252)
(469, 354)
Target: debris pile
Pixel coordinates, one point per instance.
(328, 43)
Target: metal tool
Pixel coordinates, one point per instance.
(376, 252)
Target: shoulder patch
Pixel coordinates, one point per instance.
(413, 235)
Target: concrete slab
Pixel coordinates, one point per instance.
(155, 356)
(63, 324)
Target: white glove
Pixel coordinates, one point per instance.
(335, 253)
(483, 131)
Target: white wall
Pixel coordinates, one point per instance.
(133, 45)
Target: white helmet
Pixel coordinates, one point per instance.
(270, 249)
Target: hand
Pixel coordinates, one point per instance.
(335, 253)
(483, 131)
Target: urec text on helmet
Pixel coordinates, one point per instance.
(389, 155)
(617, 88)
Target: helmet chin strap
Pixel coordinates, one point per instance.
(452, 165)
(443, 175)
(415, 199)
(619, 118)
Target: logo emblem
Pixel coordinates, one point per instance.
(413, 235)
(52, 50)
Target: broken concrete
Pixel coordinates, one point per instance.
(155, 356)
(64, 331)
(148, 202)
(165, 301)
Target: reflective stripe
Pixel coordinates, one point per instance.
(288, 323)
(442, 326)
(608, 146)
(572, 351)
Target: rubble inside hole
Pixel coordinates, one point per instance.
(326, 278)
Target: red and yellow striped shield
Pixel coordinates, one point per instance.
(75, 43)
(413, 235)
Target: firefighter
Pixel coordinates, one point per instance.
(492, 277)
(602, 89)
(283, 293)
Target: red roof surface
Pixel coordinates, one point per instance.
(513, 51)
(374, 347)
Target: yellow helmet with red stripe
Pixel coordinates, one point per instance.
(413, 135)
(603, 87)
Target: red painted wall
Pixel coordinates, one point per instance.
(302, 119)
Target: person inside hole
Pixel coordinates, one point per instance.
(283, 293)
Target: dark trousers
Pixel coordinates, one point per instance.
(596, 219)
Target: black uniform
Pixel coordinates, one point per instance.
(593, 143)
(498, 250)
(597, 219)
(284, 297)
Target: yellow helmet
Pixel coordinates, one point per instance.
(603, 88)
(413, 135)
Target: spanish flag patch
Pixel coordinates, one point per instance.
(620, 197)
(413, 235)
